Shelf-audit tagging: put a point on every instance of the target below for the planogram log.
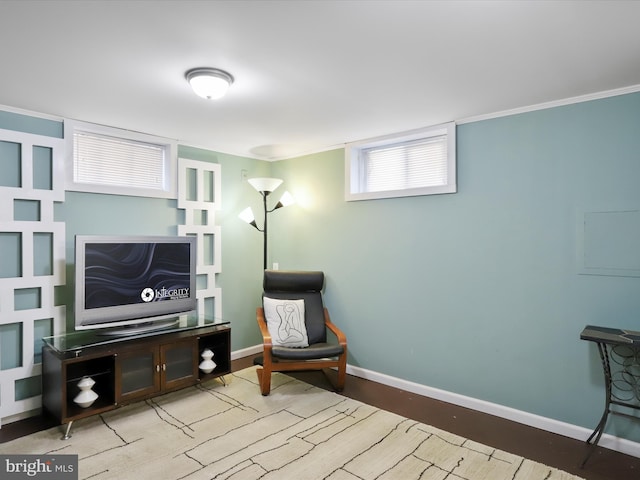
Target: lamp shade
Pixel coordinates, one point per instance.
(287, 199)
(265, 184)
(209, 83)
(247, 215)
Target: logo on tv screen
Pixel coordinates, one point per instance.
(150, 295)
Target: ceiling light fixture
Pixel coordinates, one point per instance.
(209, 83)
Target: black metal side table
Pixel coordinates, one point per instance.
(620, 355)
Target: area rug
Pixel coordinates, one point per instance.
(298, 432)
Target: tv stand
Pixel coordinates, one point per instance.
(130, 368)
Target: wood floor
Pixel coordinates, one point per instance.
(548, 448)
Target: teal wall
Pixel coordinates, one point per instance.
(29, 124)
(478, 292)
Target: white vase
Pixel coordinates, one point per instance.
(86, 396)
(207, 365)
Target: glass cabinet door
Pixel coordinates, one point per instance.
(150, 370)
(179, 364)
(138, 374)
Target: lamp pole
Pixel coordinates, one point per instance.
(264, 230)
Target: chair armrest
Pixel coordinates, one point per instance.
(262, 324)
(342, 338)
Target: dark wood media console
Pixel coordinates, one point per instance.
(127, 369)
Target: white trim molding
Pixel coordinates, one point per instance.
(556, 103)
(245, 352)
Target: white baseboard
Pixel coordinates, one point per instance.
(245, 352)
(611, 442)
(555, 426)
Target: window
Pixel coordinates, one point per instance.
(109, 160)
(421, 162)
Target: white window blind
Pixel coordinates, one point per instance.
(114, 161)
(414, 164)
(421, 162)
(105, 160)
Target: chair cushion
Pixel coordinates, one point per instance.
(313, 352)
(294, 285)
(286, 322)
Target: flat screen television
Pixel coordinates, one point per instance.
(133, 281)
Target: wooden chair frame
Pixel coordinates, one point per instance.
(271, 364)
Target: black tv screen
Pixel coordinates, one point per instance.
(128, 280)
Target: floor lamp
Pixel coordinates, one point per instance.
(265, 186)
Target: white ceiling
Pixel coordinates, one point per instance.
(309, 75)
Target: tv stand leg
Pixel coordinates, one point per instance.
(224, 382)
(66, 435)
